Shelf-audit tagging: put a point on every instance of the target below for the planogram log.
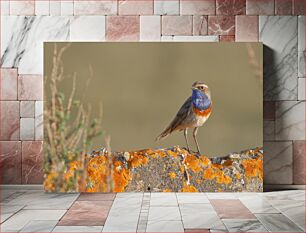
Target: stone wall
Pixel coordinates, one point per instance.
(279, 24)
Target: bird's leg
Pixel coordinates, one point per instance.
(185, 135)
(195, 131)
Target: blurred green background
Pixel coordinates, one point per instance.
(143, 85)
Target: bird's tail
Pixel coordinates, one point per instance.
(164, 134)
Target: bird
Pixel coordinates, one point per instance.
(193, 113)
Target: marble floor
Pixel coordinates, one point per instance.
(35, 211)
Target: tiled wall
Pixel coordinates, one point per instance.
(277, 23)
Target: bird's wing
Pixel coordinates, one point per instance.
(178, 119)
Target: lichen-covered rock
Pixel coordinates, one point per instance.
(172, 170)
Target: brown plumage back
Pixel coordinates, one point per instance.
(178, 120)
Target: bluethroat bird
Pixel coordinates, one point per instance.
(193, 113)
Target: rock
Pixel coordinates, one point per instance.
(169, 170)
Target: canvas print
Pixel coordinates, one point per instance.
(153, 117)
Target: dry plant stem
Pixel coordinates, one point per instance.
(67, 137)
(110, 182)
(254, 62)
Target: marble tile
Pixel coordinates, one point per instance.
(122, 28)
(301, 46)
(166, 7)
(269, 130)
(32, 162)
(225, 38)
(27, 108)
(199, 198)
(269, 110)
(38, 200)
(22, 45)
(39, 117)
(86, 213)
(200, 25)
(8, 88)
(122, 218)
(260, 7)
(8, 198)
(150, 28)
(97, 197)
(201, 220)
(246, 28)
(9, 210)
(290, 195)
(168, 213)
(5, 194)
(190, 38)
(66, 7)
(290, 120)
(189, 208)
(301, 89)
(55, 8)
(205, 218)
(135, 7)
(177, 25)
(22, 7)
(197, 230)
(87, 28)
(298, 7)
(226, 195)
(238, 225)
(277, 223)
(279, 35)
(95, 7)
(278, 163)
(165, 226)
(30, 87)
(299, 162)
(294, 210)
(231, 209)
(42, 7)
(9, 120)
(283, 7)
(39, 226)
(230, 7)
(221, 25)
(203, 7)
(75, 229)
(5, 7)
(258, 205)
(163, 199)
(27, 129)
(20, 219)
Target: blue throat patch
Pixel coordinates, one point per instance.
(200, 100)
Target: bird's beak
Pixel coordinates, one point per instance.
(193, 88)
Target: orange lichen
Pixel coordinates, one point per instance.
(167, 191)
(209, 174)
(188, 188)
(193, 163)
(172, 175)
(238, 176)
(217, 173)
(204, 160)
(171, 153)
(137, 160)
(253, 167)
(218, 166)
(121, 179)
(223, 179)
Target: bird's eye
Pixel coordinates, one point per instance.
(201, 88)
